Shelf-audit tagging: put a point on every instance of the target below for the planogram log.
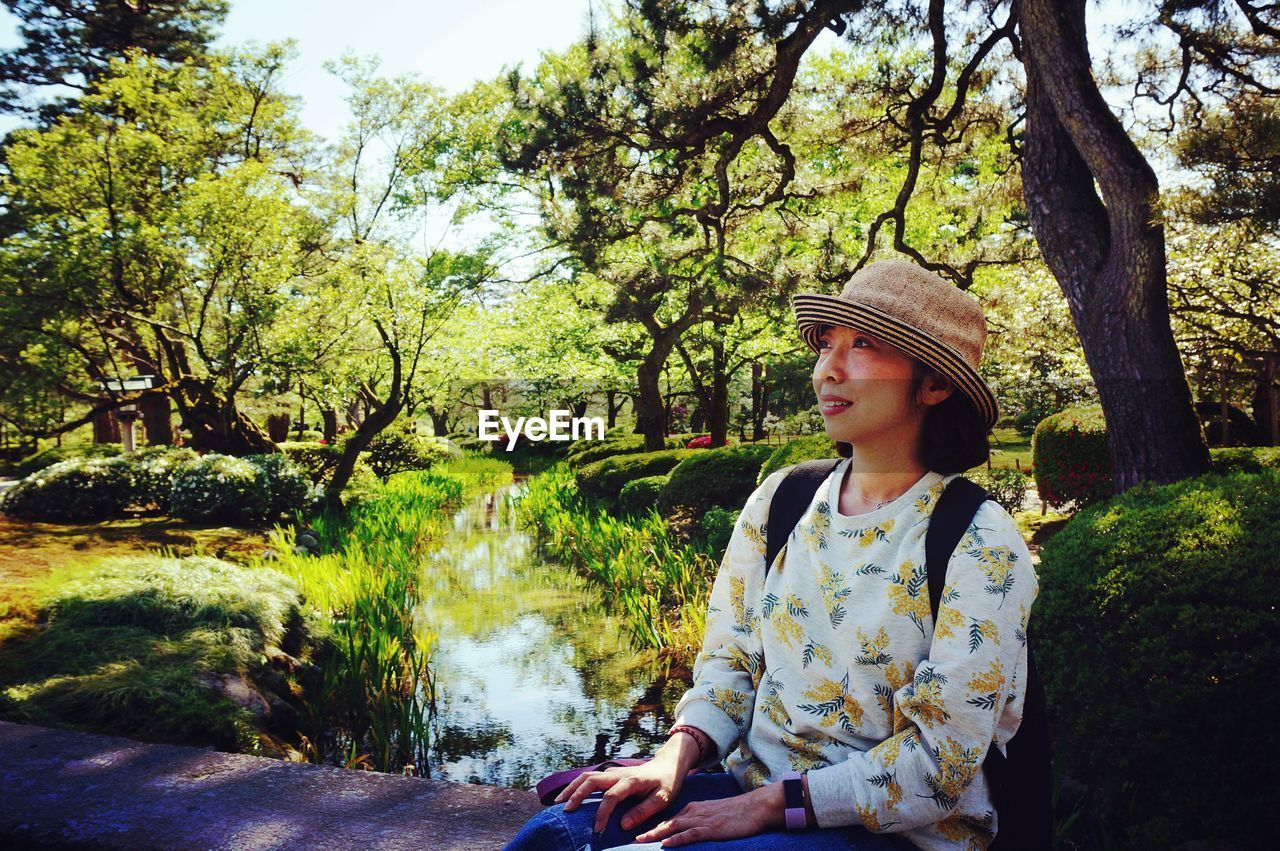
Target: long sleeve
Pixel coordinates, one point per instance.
(946, 713)
(728, 669)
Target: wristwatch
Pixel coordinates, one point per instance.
(793, 797)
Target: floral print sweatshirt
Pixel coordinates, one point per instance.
(832, 663)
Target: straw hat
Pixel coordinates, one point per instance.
(914, 310)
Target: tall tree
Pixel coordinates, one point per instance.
(70, 44)
(152, 231)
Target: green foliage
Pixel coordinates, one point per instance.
(317, 459)
(722, 477)
(812, 448)
(76, 490)
(1241, 459)
(1071, 459)
(659, 587)
(603, 480)
(153, 470)
(287, 483)
(717, 528)
(54, 454)
(1007, 486)
(640, 496)
(590, 451)
(1154, 614)
(378, 689)
(398, 449)
(135, 645)
(221, 489)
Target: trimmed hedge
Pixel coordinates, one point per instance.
(811, 448)
(221, 489)
(80, 489)
(318, 460)
(711, 478)
(1245, 459)
(1157, 636)
(590, 451)
(397, 450)
(603, 480)
(1071, 460)
(56, 454)
(287, 485)
(154, 469)
(638, 496)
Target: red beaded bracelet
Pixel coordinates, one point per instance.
(700, 739)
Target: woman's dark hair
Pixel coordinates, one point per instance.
(953, 437)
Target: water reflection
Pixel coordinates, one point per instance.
(532, 675)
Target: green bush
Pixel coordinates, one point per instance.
(722, 477)
(1071, 460)
(717, 528)
(56, 454)
(82, 489)
(1007, 486)
(638, 496)
(590, 451)
(398, 449)
(287, 484)
(318, 460)
(154, 469)
(812, 448)
(221, 489)
(1156, 636)
(1245, 459)
(603, 480)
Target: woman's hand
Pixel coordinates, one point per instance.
(728, 818)
(658, 780)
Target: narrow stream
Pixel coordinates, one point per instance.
(532, 675)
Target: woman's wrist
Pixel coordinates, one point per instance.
(683, 749)
(705, 746)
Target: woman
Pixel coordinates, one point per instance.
(829, 664)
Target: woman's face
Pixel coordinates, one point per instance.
(864, 388)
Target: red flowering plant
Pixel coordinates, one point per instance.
(1072, 464)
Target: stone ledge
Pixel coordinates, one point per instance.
(77, 790)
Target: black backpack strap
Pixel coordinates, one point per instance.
(951, 517)
(792, 497)
(1022, 783)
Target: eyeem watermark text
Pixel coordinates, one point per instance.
(559, 425)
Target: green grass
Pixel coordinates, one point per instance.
(132, 645)
(1010, 449)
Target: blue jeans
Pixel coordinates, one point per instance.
(555, 830)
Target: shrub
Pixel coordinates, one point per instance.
(603, 480)
(1242, 459)
(640, 495)
(589, 451)
(222, 489)
(811, 448)
(722, 477)
(1071, 459)
(398, 449)
(702, 442)
(78, 489)
(1156, 637)
(717, 528)
(318, 460)
(55, 454)
(154, 469)
(1007, 486)
(287, 483)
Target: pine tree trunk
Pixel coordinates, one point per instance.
(1108, 252)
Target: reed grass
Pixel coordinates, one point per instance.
(378, 692)
(658, 586)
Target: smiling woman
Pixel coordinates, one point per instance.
(845, 700)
